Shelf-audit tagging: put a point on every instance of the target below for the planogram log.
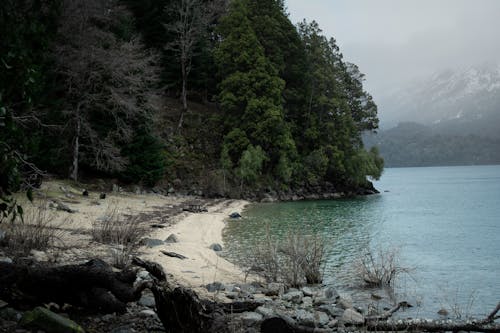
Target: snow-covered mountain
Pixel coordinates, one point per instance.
(459, 97)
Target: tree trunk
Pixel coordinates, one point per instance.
(76, 146)
(93, 286)
(183, 92)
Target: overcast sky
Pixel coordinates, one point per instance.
(395, 41)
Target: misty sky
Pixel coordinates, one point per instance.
(395, 41)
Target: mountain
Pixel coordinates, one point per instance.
(457, 97)
(450, 118)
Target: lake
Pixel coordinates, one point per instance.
(443, 221)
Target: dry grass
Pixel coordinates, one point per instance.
(35, 231)
(295, 260)
(122, 231)
(380, 269)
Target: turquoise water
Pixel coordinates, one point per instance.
(444, 221)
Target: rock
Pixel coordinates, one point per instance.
(321, 318)
(10, 314)
(144, 275)
(147, 301)
(443, 312)
(148, 313)
(152, 242)
(265, 312)
(307, 291)
(235, 215)
(305, 318)
(307, 302)
(3, 304)
(293, 296)
(102, 196)
(39, 255)
(331, 310)
(250, 318)
(274, 289)
(331, 292)
(49, 321)
(6, 260)
(333, 323)
(232, 294)
(214, 286)
(352, 317)
(344, 302)
(172, 239)
(216, 247)
(262, 298)
(2, 235)
(174, 255)
(65, 208)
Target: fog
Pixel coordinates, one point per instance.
(395, 41)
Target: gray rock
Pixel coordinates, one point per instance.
(214, 286)
(232, 294)
(6, 260)
(65, 208)
(352, 317)
(333, 323)
(307, 301)
(144, 275)
(344, 302)
(321, 318)
(331, 292)
(42, 318)
(216, 247)
(148, 301)
(305, 318)
(39, 255)
(308, 291)
(148, 313)
(317, 301)
(172, 239)
(265, 312)
(235, 215)
(251, 318)
(3, 304)
(2, 235)
(152, 242)
(331, 310)
(293, 296)
(10, 314)
(262, 298)
(248, 288)
(274, 289)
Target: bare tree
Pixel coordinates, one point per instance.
(108, 81)
(190, 22)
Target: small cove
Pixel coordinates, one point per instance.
(444, 221)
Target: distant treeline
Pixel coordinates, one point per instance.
(412, 144)
(86, 88)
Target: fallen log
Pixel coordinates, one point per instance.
(92, 285)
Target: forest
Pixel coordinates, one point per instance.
(227, 96)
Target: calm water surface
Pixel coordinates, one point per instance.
(445, 221)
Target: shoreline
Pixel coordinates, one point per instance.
(195, 233)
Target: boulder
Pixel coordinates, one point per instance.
(172, 239)
(352, 317)
(147, 301)
(6, 260)
(293, 296)
(274, 289)
(41, 318)
(331, 292)
(214, 286)
(305, 318)
(321, 318)
(39, 255)
(308, 291)
(265, 312)
(235, 215)
(216, 247)
(251, 318)
(331, 310)
(148, 313)
(152, 242)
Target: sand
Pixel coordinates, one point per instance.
(195, 231)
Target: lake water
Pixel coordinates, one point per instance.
(444, 221)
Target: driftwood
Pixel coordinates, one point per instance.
(93, 286)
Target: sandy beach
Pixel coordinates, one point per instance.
(195, 231)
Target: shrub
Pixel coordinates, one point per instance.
(34, 231)
(380, 269)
